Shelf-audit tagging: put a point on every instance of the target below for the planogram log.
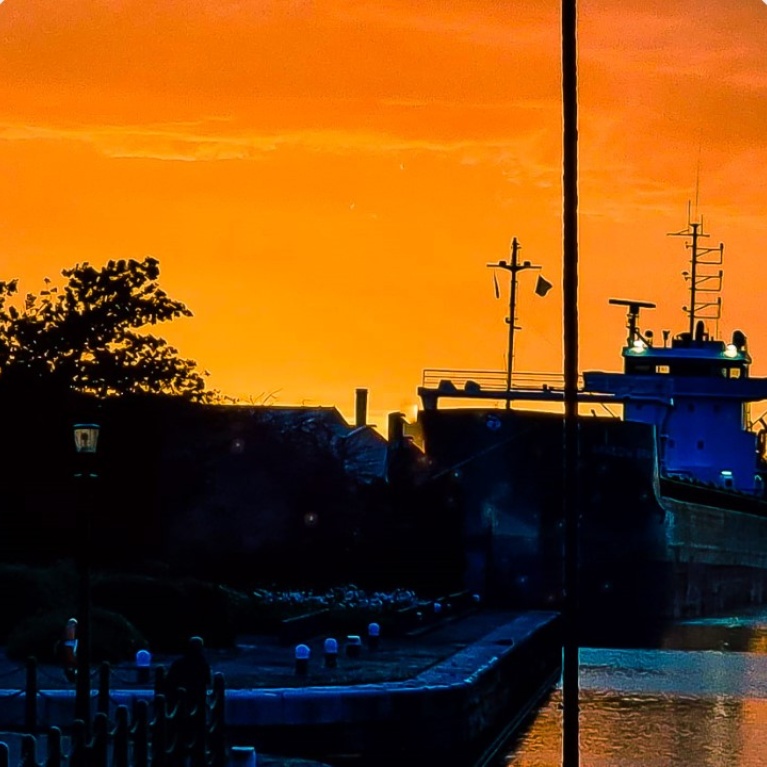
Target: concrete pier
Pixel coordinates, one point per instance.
(501, 664)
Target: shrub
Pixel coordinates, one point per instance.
(156, 607)
(168, 612)
(29, 591)
(239, 608)
(113, 638)
(211, 613)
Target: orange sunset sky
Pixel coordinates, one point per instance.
(323, 182)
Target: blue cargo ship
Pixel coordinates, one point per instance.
(672, 506)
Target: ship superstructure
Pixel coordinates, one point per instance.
(695, 389)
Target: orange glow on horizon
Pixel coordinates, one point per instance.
(324, 181)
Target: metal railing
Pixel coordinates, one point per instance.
(188, 733)
(491, 380)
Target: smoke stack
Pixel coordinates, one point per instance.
(361, 407)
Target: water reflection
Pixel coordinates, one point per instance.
(700, 700)
(651, 731)
(737, 633)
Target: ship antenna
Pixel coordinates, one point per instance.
(513, 266)
(697, 185)
(702, 279)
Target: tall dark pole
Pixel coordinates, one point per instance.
(86, 441)
(83, 660)
(570, 750)
(512, 318)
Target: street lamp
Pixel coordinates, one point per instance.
(86, 437)
(86, 442)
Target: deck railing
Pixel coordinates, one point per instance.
(492, 380)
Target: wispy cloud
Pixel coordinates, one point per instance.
(200, 143)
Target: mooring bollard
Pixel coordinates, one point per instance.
(303, 654)
(143, 665)
(353, 646)
(331, 653)
(374, 635)
(242, 756)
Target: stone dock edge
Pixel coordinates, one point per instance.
(447, 712)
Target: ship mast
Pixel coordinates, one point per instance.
(513, 266)
(701, 277)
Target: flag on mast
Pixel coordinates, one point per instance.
(542, 286)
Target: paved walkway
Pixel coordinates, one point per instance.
(261, 662)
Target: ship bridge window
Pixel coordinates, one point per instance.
(734, 372)
(697, 368)
(665, 369)
(639, 367)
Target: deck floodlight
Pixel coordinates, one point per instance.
(86, 437)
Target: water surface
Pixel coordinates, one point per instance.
(700, 700)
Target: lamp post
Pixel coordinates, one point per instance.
(570, 681)
(86, 441)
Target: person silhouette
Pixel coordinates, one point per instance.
(191, 672)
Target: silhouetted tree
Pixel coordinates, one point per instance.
(88, 335)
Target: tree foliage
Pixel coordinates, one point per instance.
(89, 335)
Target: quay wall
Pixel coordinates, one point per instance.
(446, 712)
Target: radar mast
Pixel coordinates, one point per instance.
(703, 278)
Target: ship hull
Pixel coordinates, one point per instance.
(645, 558)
